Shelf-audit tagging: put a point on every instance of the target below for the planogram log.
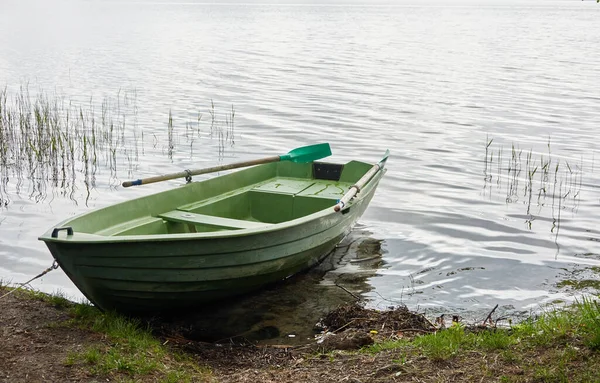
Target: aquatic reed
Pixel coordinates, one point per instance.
(553, 181)
(47, 141)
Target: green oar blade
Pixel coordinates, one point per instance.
(307, 153)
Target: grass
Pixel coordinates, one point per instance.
(444, 345)
(561, 345)
(132, 349)
(129, 352)
(58, 299)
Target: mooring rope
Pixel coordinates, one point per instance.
(49, 269)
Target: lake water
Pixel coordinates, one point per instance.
(491, 113)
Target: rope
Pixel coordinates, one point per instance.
(49, 269)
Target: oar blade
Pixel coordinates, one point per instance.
(308, 153)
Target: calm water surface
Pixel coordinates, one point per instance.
(457, 225)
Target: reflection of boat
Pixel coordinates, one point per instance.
(212, 239)
(294, 306)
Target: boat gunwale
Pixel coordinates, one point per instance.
(88, 238)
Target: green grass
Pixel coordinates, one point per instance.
(559, 370)
(590, 322)
(445, 344)
(127, 350)
(562, 345)
(58, 299)
(554, 328)
(385, 345)
(131, 351)
(496, 339)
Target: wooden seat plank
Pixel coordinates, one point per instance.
(203, 219)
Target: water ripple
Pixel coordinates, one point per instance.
(432, 84)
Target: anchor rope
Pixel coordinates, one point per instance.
(49, 269)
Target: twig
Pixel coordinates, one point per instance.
(428, 321)
(276, 346)
(417, 330)
(349, 292)
(389, 300)
(344, 326)
(489, 317)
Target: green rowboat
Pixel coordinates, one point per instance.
(212, 239)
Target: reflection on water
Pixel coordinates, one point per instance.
(454, 264)
(429, 83)
(287, 312)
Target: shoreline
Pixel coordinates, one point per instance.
(48, 338)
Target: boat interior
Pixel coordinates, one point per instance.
(248, 199)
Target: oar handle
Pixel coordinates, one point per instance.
(149, 180)
(355, 189)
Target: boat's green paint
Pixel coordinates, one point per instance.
(208, 240)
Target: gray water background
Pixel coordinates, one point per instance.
(433, 83)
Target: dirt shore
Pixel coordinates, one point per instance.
(36, 339)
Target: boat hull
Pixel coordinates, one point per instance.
(152, 274)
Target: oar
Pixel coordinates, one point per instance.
(354, 189)
(303, 154)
